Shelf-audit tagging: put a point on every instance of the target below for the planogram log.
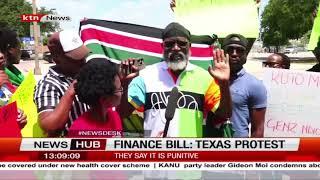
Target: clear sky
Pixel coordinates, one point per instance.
(156, 13)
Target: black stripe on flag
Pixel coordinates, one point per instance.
(143, 30)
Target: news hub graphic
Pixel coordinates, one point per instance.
(43, 18)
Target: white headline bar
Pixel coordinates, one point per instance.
(204, 144)
(161, 144)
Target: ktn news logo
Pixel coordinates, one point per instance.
(43, 18)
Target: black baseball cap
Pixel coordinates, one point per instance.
(175, 30)
(235, 39)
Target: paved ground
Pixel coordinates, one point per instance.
(26, 66)
(301, 61)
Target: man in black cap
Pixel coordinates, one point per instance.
(249, 95)
(199, 91)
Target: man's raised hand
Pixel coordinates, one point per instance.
(221, 69)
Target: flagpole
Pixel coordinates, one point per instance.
(37, 70)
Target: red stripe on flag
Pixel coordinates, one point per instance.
(135, 43)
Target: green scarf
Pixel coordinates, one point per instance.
(15, 76)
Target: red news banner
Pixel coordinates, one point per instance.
(160, 149)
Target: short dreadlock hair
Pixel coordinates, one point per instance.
(95, 80)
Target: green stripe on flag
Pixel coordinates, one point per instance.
(121, 54)
(118, 54)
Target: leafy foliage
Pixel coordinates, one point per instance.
(10, 12)
(286, 19)
(48, 26)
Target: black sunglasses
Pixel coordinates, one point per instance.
(239, 50)
(171, 43)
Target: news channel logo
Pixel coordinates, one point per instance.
(44, 18)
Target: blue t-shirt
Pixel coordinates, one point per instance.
(247, 93)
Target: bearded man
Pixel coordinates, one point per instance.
(199, 90)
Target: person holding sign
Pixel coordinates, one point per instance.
(10, 76)
(249, 95)
(10, 46)
(6, 88)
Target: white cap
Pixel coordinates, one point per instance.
(69, 43)
(69, 40)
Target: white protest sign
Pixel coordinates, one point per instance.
(293, 103)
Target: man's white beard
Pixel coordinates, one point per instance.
(175, 66)
(180, 64)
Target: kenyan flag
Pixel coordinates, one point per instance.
(120, 41)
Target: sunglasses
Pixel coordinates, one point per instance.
(239, 50)
(171, 43)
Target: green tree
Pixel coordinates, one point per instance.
(11, 11)
(47, 27)
(283, 20)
